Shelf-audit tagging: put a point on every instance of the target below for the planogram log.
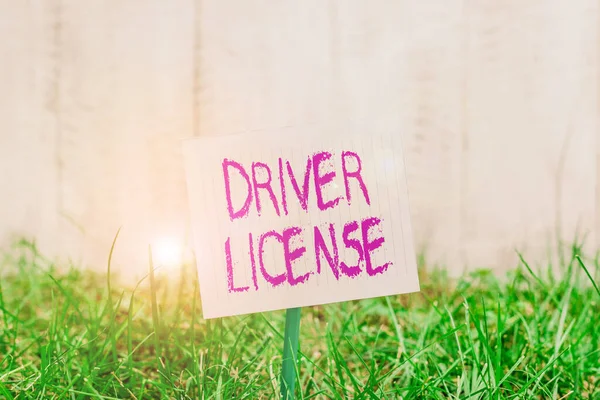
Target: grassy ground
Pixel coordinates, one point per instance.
(70, 334)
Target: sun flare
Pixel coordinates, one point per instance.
(167, 252)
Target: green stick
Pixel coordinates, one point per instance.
(290, 352)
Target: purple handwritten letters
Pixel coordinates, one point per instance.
(278, 189)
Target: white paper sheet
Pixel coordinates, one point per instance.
(261, 248)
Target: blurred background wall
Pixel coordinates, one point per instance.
(497, 102)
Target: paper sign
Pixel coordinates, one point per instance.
(292, 218)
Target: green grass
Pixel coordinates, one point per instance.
(64, 335)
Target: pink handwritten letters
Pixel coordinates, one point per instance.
(317, 187)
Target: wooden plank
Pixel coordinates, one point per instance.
(531, 129)
(126, 97)
(595, 9)
(432, 95)
(27, 111)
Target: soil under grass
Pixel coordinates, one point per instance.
(66, 333)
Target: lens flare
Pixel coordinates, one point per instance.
(167, 252)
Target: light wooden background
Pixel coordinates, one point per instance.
(497, 101)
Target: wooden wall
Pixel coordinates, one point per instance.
(497, 102)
